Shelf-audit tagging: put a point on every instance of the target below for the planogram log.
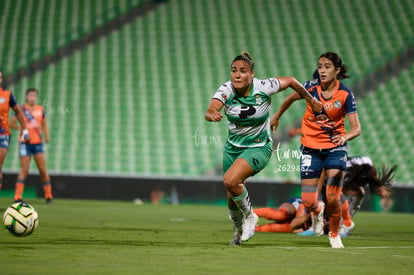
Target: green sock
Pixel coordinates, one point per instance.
(237, 218)
(243, 202)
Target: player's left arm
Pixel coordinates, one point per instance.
(45, 129)
(355, 127)
(352, 114)
(352, 133)
(19, 115)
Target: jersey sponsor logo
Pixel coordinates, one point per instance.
(306, 160)
(273, 81)
(337, 104)
(246, 111)
(259, 99)
(296, 205)
(328, 106)
(323, 121)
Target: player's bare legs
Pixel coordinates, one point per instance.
(3, 153)
(312, 205)
(333, 207)
(240, 209)
(44, 176)
(24, 171)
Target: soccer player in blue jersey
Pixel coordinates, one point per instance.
(324, 141)
(246, 101)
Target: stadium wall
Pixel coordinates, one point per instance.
(195, 191)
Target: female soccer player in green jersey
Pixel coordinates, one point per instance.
(246, 101)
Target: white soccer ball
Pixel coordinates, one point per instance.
(21, 219)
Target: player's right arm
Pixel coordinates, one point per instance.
(213, 112)
(274, 121)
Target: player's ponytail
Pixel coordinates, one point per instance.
(245, 56)
(365, 174)
(343, 72)
(337, 61)
(383, 178)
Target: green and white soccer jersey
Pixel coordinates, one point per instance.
(248, 117)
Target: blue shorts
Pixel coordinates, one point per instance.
(313, 161)
(26, 149)
(5, 142)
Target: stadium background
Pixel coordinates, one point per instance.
(126, 83)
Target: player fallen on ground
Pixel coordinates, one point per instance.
(290, 216)
(360, 174)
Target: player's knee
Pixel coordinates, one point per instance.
(310, 197)
(23, 175)
(310, 203)
(310, 206)
(43, 174)
(231, 182)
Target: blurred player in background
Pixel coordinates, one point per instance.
(290, 216)
(246, 101)
(34, 116)
(7, 101)
(324, 141)
(362, 173)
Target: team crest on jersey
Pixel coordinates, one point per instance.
(337, 104)
(259, 100)
(224, 96)
(327, 106)
(2, 100)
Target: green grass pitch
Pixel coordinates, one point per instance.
(109, 237)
